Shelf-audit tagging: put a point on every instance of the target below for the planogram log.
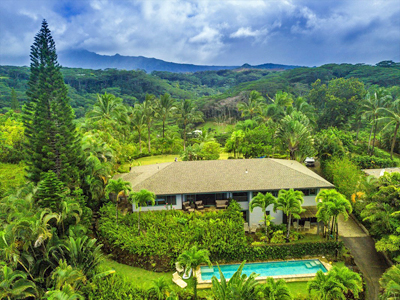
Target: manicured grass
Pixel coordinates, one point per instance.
(218, 127)
(158, 159)
(139, 277)
(298, 289)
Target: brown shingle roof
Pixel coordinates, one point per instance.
(192, 177)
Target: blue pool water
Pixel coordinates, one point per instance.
(278, 268)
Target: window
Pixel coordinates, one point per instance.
(164, 200)
(313, 191)
(221, 196)
(240, 197)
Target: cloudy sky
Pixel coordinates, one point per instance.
(219, 32)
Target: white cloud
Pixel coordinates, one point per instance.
(247, 32)
(210, 32)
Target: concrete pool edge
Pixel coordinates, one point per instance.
(204, 284)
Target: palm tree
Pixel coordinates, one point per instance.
(351, 280)
(137, 121)
(289, 202)
(253, 105)
(66, 274)
(142, 198)
(159, 289)
(69, 209)
(295, 135)
(390, 281)
(188, 114)
(235, 140)
(278, 109)
(392, 118)
(14, 285)
(332, 203)
(327, 287)
(149, 113)
(263, 201)
(276, 290)
(371, 106)
(380, 216)
(239, 287)
(118, 188)
(192, 259)
(107, 108)
(166, 105)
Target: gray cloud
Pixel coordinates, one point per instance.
(302, 32)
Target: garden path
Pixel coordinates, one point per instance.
(371, 263)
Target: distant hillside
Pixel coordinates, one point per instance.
(90, 60)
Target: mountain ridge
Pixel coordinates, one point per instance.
(91, 60)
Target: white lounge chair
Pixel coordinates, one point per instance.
(253, 228)
(178, 280)
(246, 227)
(307, 225)
(179, 268)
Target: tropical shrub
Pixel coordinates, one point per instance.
(165, 234)
(372, 162)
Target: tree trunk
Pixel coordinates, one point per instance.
(266, 228)
(138, 223)
(394, 141)
(288, 228)
(148, 137)
(195, 285)
(184, 136)
(140, 142)
(116, 210)
(373, 141)
(369, 140)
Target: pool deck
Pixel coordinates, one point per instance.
(205, 284)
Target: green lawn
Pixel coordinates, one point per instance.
(158, 159)
(139, 277)
(218, 127)
(144, 279)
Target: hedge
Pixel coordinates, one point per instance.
(373, 162)
(166, 234)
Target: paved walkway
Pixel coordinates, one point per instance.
(362, 247)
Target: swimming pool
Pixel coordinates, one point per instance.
(266, 269)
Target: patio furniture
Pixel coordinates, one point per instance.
(221, 203)
(297, 226)
(186, 206)
(253, 228)
(307, 225)
(246, 227)
(178, 280)
(179, 268)
(186, 274)
(199, 205)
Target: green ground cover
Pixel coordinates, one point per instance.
(11, 177)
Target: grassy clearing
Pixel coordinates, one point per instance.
(218, 127)
(158, 159)
(138, 277)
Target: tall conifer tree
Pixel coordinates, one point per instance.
(14, 100)
(52, 140)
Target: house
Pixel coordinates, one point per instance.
(239, 179)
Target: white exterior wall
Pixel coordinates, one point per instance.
(162, 207)
(309, 200)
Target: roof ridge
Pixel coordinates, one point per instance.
(311, 174)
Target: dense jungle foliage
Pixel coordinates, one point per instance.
(57, 165)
